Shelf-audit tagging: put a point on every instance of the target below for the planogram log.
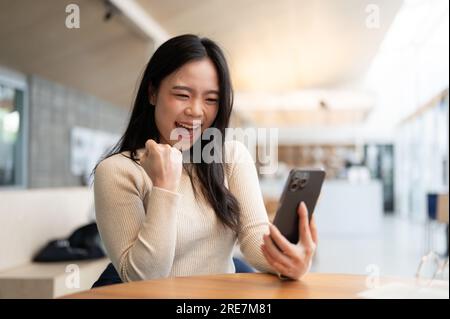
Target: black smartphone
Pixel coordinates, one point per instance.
(301, 186)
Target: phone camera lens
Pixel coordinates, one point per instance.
(294, 186)
(299, 181)
(303, 182)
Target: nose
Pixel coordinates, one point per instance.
(195, 109)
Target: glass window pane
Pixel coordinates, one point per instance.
(11, 106)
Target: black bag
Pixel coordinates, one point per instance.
(83, 244)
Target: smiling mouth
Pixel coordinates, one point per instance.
(192, 129)
(189, 127)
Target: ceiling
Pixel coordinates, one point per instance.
(272, 46)
(101, 58)
(283, 45)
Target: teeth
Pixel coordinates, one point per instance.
(187, 126)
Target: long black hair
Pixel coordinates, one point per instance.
(169, 57)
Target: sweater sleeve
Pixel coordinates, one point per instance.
(140, 242)
(254, 223)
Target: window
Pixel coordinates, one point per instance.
(12, 109)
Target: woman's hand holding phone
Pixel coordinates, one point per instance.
(163, 164)
(288, 259)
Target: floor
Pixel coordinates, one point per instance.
(395, 250)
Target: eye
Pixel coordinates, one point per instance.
(211, 101)
(182, 96)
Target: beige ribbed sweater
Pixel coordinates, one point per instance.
(149, 232)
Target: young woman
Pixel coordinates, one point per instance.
(159, 216)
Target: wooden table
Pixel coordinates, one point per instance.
(237, 286)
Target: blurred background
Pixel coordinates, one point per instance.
(357, 87)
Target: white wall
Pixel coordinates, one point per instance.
(30, 218)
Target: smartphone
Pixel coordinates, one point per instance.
(301, 186)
